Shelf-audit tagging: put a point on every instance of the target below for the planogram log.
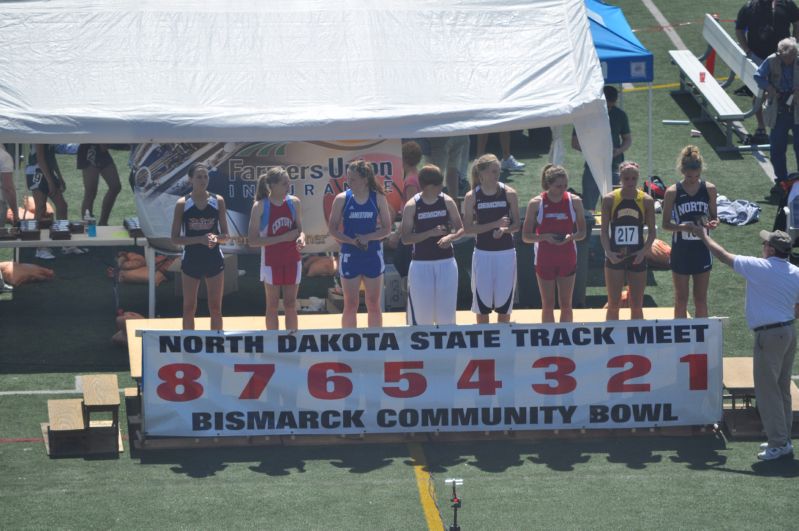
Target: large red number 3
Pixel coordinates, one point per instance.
(697, 371)
(486, 382)
(639, 366)
(417, 383)
(261, 374)
(563, 382)
(318, 380)
(190, 388)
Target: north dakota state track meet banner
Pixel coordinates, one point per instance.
(317, 172)
(427, 379)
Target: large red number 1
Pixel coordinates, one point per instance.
(261, 374)
(187, 381)
(318, 379)
(697, 371)
(563, 382)
(486, 382)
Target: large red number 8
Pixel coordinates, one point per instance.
(318, 379)
(188, 381)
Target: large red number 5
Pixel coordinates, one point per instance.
(486, 382)
(261, 374)
(697, 371)
(640, 366)
(417, 384)
(563, 382)
(187, 381)
(318, 380)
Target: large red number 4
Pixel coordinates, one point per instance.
(639, 366)
(190, 388)
(486, 381)
(417, 384)
(318, 380)
(261, 374)
(697, 371)
(563, 382)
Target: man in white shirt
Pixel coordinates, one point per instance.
(772, 304)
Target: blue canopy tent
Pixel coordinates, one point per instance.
(621, 55)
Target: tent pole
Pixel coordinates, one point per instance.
(649, 146)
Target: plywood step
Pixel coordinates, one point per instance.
(66, 415)
(100, 390)
(738, 378)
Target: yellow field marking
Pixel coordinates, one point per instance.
(427, 492)
(663, 86)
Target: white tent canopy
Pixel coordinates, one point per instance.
(132, 71)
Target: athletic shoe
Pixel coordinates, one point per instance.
(764, 445)
(760, 137)
(770, 454)
(6, 288)
(43, 253)
(511, 164)
(73, 250)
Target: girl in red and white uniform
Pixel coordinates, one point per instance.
(491, 213)
(276, 225)
(554, 222)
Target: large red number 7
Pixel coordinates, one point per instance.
(417, 383)
(261, 374)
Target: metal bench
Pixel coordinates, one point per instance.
(712, 97)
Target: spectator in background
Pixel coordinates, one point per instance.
(411, 157)
(622, 140)
(772, 304)
(760, 25)
(94, 161)
(778, 77)
(451, 154)
(44, 180)
(8, 192)
(508, 162)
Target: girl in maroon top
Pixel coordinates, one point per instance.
(554, 222)
(276, 225)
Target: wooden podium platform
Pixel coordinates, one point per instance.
(333, 321)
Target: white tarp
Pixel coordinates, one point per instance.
(131, 71)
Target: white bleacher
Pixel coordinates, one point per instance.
(716, 104)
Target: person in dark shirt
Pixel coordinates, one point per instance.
(759, 26)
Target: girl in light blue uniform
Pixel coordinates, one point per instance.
(359, 219)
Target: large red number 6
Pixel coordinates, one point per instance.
(486, 381)
(318, 380)
(563, 382)
(640, 366)
(417, 384)
(261, 374)
(187, 380)
(697, 371)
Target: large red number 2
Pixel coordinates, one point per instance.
(261, 374)
(187, 381)
(318, 380)
(563, 382)
(697, 371)
(639, 366)
(486, 382)
(417, 384)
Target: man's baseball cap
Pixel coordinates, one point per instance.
(777, 239)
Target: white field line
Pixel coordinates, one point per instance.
(76, 391)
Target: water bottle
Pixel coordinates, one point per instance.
(91, 224)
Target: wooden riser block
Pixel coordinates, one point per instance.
(100, 391)
(101, 438)
(66, 415)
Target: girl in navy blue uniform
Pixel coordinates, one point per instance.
(359, 219)
(200, 225)
(686, 204)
